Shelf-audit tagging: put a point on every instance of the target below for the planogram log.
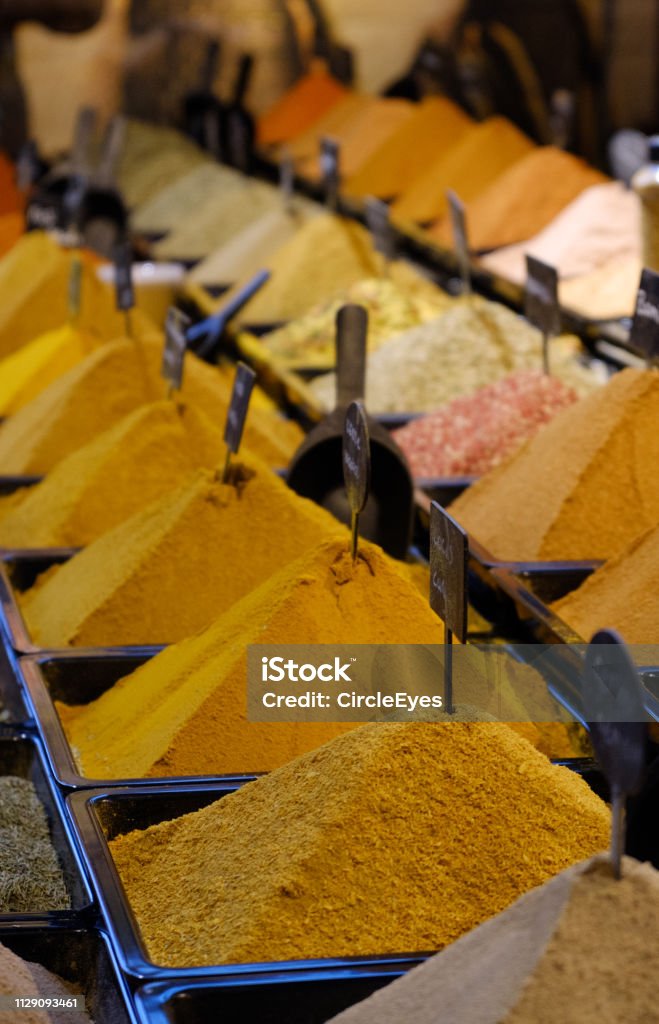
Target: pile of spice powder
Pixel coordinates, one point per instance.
(392, 305)
(621, 595)
(27, 372)
(473, 344)
(216, 219)
(252, 248)
(388, 839)
(141, 458)
(347, 257)
(582, 488)
(361, 135)
(153, 157)
(310, 97)
(172, 568)
(31, 879)
(34, 278)
(601, 224)
(518, 203)
(483, 152)
(22, 978)
(606, 293)
(182, 199)
(185, 711)
(435, 126)
(112, 382)
(528, 965)
(472, 434)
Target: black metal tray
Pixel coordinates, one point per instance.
(13, 709)
(81, 957)
(10, 484)
(298, 997)
(99, 816)
(21, 755)
(80, 677)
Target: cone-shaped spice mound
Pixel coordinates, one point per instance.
(145, 455)
(391, 838)
(185, 711)
(112, 382)
(621, 595)
(580, 949)
(583, 488)
(177, 565)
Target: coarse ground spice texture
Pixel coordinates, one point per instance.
(172, 568)
(153, 158)
(472, 344)
(22, 978)
(393, 306)
(583, 487)
(145, 455)
(471, 435)
(31, 879)
(185, 711)
(388, 839)
(578, 949)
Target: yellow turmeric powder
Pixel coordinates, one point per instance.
(27, 372)
(141, 458)
(434, 127)
(110, 383)
(185, 712)
(482, 153)
(34, 294)
(174, 567)
(388, 839)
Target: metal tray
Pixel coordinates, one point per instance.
(100, 816)
(18, 571)
(298, 997)
(13, 709)
(81, 957)
(10, 484)
(21, 755)
(78, 678)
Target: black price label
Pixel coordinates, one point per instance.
(173, 357)
(351, 334)
(43, 213)
(460, 239)
(287, 179)
(449, 561)
(644, 333)
(239, 139)
(28, 166)
(356, 457)
(123, 277)
(329, 170)
(238, 406)
(379, 224)
(541, 299)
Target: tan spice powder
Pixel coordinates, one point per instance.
(390, 838)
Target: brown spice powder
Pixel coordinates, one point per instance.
(390, 838)
(583, 487)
